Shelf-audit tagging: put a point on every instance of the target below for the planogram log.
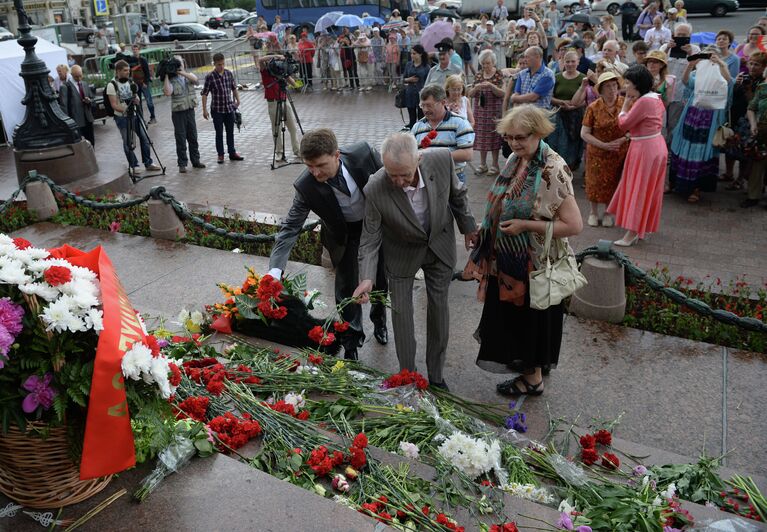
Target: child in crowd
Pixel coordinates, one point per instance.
(590, 49)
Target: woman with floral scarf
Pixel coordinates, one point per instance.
(534, 189)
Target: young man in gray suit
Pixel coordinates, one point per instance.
(410, 208)
(76, 100)
(331, 186)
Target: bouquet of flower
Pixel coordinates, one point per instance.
(52, 321)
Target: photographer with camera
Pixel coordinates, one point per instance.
(123, 98)
(276, 72)
(224, 102)
(179, 85)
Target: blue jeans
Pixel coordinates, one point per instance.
(221, 120)
(147, 95)
(122, 125)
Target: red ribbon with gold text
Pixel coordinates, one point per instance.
(108, 445)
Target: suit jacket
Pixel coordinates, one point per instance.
(361, 160)
(390, 220)
(73, 105)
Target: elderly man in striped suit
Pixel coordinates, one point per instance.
(411, 204)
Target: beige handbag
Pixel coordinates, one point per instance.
(723, 134)
(554, 282)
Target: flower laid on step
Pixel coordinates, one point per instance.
(529, 492)
(472, 456)
(404, 378)
(191, 321)
(409, 450)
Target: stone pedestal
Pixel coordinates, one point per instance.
(164, 222)
(40, 200)
(604, 298)
(63, 164)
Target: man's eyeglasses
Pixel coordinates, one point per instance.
(515, 138)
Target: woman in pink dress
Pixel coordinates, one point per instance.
(639, 197)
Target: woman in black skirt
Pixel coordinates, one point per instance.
(534, 189)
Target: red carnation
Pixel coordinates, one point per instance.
(589, 456)
(175, 374)
(193, 407)
(442, 519)
(610, 461)
(341, 326)
(360, 440)
(588, 441)
(432, 134)
(315, 359)
(21, 243)
(425, 142)
(303, 416)
(603, 437)
(357, 458)
(57, 275)
(153, 345)
(215, 386)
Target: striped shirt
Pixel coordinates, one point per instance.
(220, 86)
(454, 133)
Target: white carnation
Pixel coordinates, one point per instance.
(410, 450)
(295, 399)
(196, 317)
(183, 316)
(670, 491)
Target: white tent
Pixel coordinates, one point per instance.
(11, 56)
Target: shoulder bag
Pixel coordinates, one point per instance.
(554, 282)
(723, 134)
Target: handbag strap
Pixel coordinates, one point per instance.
(547, 242)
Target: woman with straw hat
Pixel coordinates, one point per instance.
(657, 63)
(606, 147)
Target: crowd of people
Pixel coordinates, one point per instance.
(538, 98)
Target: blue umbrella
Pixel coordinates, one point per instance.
(327, 20)
(369, 21)
(351, 21)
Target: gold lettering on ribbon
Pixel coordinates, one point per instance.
(116, 381)
(118, 410)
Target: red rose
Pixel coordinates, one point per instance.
(610, 461)
(21, 243)
(57, 275)
(588, 441)
(603, 437)
(589, 456)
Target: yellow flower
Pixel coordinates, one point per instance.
(163, 333)
(337, 367)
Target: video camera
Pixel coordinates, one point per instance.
(282, 69)
(168, 67)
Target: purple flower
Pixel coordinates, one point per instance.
(162, 343)
(640, 471)
(583, 528)
(41, 393)
(517, 422)
(564, 522)
(668, 528)
(11, 316)
(512, 405)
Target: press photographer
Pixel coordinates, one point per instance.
(276, 72)
(123, 99)
(179, 85)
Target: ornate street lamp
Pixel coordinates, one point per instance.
(45, 125)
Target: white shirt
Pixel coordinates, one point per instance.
(655, 38)
(527, 22)
(419, 200)
(352, 206)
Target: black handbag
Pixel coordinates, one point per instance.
(399, 98)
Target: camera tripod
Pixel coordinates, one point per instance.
(131, 114)
(281, 125)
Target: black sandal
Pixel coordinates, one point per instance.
(511, 389)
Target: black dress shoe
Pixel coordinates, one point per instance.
(442, 385)
(198, 165)
(351, 354)
(380, 333)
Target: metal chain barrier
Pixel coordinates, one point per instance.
(157, 193)
(603, 252)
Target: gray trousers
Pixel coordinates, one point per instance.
(185, 129)
(437, 276)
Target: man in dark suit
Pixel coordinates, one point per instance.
(332, 186)
(76, 99)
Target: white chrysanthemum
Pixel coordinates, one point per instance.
(78, 272)
(183, 316)
(137, 360)
(43, 290)
(5, 240)
(94, 319)
(159, 370)
(13, 272)
(58, 316)
(410, 450)
(295, 399)
(82, 294)
(30, 255)
(472, 456)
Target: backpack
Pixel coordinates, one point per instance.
(107, 103)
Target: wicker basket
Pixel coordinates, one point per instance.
(38, 473)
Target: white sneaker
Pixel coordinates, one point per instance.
(137, 169)
(608, 221)
(419, 275)
(593, 221)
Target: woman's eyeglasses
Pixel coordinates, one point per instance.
(515, 138)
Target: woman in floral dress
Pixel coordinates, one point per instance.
(487, 93)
